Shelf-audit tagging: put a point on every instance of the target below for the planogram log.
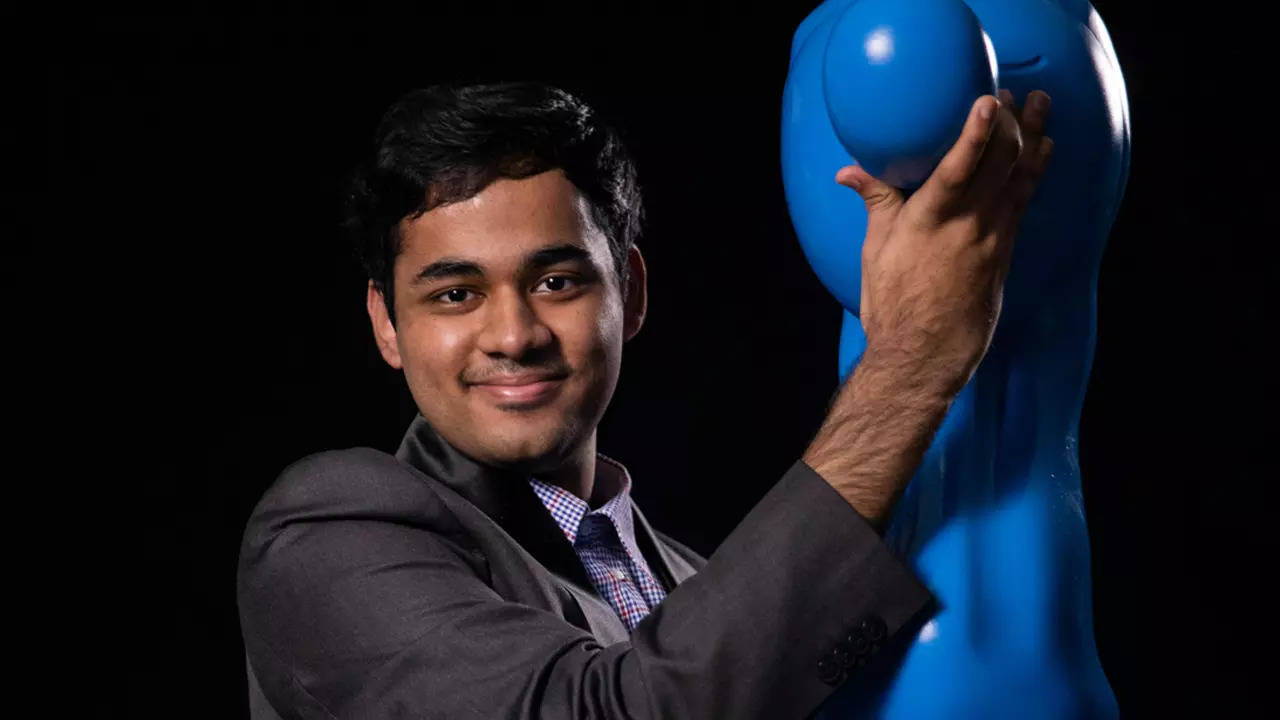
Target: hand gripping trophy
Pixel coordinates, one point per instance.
(993, 519)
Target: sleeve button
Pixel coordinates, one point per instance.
(874, 628)
(858, 643)
(829, 671)
(843, 655)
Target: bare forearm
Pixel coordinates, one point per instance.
(881, 423)
(932, 286)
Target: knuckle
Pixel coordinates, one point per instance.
(969, 226)
(949, 179)
(1015, 149)
(1046, 149)
(878, 199)
(920, 223)
(977, 141)
(1015, 138)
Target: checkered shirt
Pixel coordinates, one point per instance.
(605, 541)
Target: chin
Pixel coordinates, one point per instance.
(530, 446)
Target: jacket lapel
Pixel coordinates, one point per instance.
(504, 496)
(508, 499)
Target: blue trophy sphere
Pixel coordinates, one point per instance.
(900, 79)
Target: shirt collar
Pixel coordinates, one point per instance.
(569, 511)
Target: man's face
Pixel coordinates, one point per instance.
(514, 281)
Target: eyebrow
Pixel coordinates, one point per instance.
(460, 267)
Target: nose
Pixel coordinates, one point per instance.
(512, 326)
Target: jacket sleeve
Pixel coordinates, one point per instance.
(360, 598)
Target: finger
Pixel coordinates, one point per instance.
(1006, 99)
(948, 181)
(996, 165)
(1023, 184)
(1008, 219)
(1034, 113)
(1025, 177)
(1011, 200)
(877, 195)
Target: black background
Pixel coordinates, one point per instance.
(201, 322)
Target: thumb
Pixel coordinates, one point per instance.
(878, 196)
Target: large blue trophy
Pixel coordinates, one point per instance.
(993, 520)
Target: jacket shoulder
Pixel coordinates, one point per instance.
(343, 547)
(356, 484)
(355, 478)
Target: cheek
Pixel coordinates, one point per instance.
(605, 341)
(586, 335)
(608, 320)
(436, 354)
(594, 330)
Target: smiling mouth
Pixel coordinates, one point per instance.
(1022, 64)
(515, 396)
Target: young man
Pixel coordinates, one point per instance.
(495, 566)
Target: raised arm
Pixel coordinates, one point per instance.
(933, 271)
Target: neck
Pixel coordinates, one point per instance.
(577, 474)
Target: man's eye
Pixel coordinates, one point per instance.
(452, 296)
(458, 296)
(557, 282)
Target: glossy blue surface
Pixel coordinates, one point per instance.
(876, 55)
(993, 521)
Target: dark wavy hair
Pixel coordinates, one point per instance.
(446, 143)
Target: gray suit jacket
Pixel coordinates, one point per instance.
(427, 585)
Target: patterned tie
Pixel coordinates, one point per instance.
(604, 540)
(628, 586)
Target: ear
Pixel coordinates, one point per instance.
(384, 333)
(636, 298)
